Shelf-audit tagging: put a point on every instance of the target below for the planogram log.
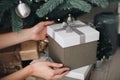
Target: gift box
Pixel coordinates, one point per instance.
(9, 60)
(74, 49)
(29, 50)
(82, 73)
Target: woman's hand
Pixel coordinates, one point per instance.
(39, 31)
(49, 70)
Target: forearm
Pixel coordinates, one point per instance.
(13, 38)
(19, 75)
(37, 32)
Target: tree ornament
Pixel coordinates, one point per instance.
(23, 10)
(69, 20)
(43, 45)
(46, 0)
(68, 24)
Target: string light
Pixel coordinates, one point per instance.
(58, 19)
(68, 8)
(46, 18)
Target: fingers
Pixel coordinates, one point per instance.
(56, 65)
(46, 23)
(61, 70)
(40, 26)
(43, 34)
(60, 75)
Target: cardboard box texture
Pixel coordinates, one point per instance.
(75, 56)
(29, 50)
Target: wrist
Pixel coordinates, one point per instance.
(26, 34)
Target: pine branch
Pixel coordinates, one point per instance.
(101, 3)
(65, 6)
(81, 5)
(60, 11)
(114, 0)
(17, 22)
(1, 14)
(5, 5)
(75, 4)
(48, 7)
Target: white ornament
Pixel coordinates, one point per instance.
(46, 0)
(23, 10)
(69, 18)
(69, 23)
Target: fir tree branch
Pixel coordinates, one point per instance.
(65, 6)
(1, 14)
(81, 5)
(60, 11)
(5, 5)
(17, 22)
(48, 7)
(114, 0)
(101, 3)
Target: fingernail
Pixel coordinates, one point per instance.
(61, 64)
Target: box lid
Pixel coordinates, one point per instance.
(64, 39)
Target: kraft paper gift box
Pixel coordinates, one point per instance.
(29, 50)
(75, 49)
(9, 60)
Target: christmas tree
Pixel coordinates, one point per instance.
(39, 10)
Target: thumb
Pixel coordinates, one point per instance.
(52, 64)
